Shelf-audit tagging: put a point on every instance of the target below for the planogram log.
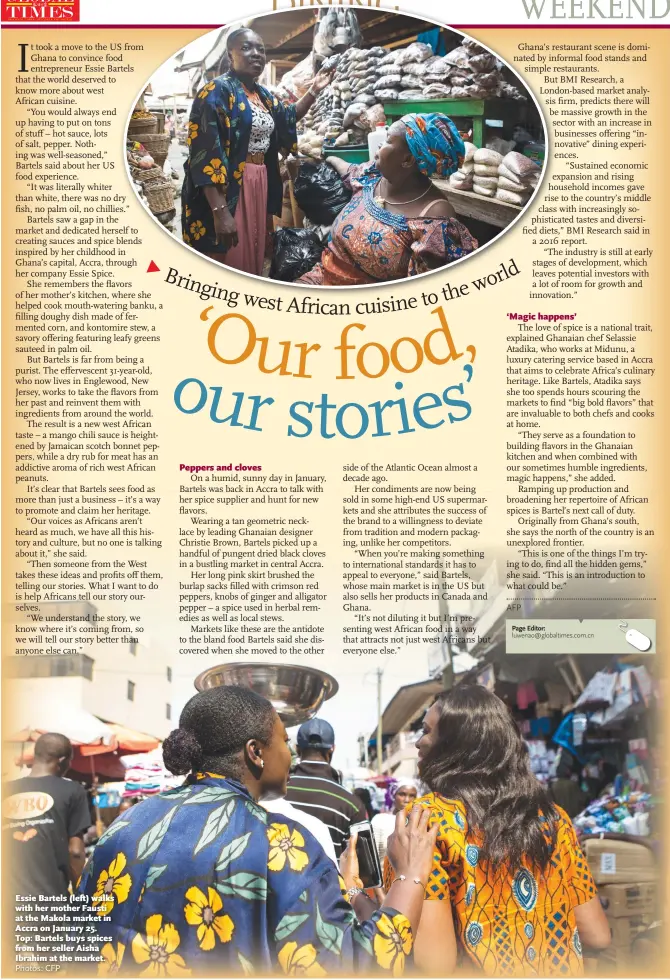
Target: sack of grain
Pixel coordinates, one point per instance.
(510, 197)
(488, 157)
(418, 51)
(490, 182)
(417, 69)
(505, 184)
(459, 77)
(410, 81)
(483, 191)
(459, 58)
(437, 91)
(503, 171)
(460, 92)
(489, 80)
(520, 165)
(373, 117)
(483, 62)
(470, 150)
(354, 111)
(473, 47)
(410, 94)
(390, 58)
(439, 67)
(388, 81)
(461, 181)
(485, 169)
(387, 94)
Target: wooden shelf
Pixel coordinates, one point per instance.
(470, 205)
(508, 111)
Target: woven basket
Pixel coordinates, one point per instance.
(145, 176)
(160, 195)
(157, 144)
(146, 125)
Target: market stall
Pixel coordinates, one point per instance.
(147, 148)
(424, 71)
(384, 65)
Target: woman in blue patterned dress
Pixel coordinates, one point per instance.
(201, 880)
(397, 223)
(231, 178)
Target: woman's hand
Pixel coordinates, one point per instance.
(321, 79)
(349, 864)
(225, 229)
(411, 846)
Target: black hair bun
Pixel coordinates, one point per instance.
(182, 752)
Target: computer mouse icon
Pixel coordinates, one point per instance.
(638, 640)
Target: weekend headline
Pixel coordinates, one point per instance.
(232, 339)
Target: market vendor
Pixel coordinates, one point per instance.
(231, 178)
(397, 223)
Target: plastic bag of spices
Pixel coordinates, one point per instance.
(296, 251)
(320, 192)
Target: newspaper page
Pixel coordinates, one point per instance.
(333, 444)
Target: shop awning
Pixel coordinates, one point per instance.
(128, 740)
(405, 705)
(76, 724)
(90, 738)
(204, 51)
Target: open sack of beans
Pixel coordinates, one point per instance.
(518, 178)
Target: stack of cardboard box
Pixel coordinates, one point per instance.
(626, 875)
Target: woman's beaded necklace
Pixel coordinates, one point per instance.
(252, 95)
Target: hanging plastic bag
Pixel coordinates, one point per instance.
(296, 251)
(320, 192)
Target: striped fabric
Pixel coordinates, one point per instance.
(314, 787)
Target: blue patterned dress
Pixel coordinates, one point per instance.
(202, 880)
(218, 140)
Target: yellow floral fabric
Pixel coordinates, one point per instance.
(202, 881)
(219, 132)
(286, 845)
(113, 886)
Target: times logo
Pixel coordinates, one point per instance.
(40, 11)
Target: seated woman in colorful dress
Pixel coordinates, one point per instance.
(397, 223)
(202, 881)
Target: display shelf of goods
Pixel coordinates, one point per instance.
(359, 154)
(478, 110)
